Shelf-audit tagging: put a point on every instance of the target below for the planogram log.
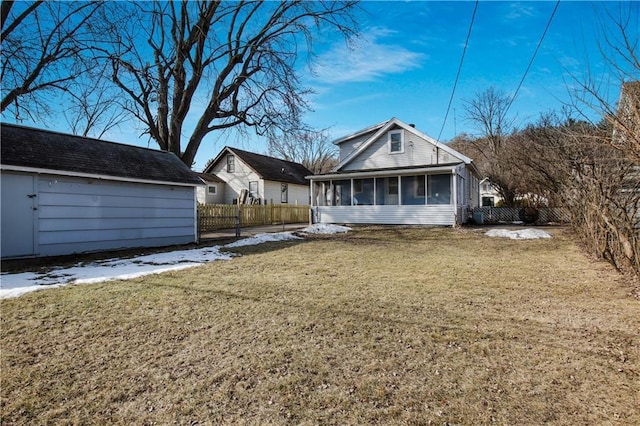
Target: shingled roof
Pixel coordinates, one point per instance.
(268, 168)
(26, 147)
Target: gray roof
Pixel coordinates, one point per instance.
(43, 149)
(268, 168)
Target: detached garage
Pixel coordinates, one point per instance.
(64, 194)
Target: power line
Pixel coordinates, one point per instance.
(535, 52)
(464, 51)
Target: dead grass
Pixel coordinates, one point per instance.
(382, 326)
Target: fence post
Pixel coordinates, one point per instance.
(238, 221)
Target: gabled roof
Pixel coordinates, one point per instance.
(210, 178)
(268, 168)
(45, 151)
(359, 133)
(380, 129)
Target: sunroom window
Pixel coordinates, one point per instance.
(341, 193)
(363, 192)
(387, 191)
(439, 189)
(413, 190)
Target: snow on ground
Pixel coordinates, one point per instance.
(14, 285)
(325, 228)
(263, 238)
(519, 234)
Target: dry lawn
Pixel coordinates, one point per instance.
(379, 326)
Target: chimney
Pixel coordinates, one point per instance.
(412, 125)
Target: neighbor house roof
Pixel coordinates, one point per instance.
(268, 168)
(210, 178)
(37, 150)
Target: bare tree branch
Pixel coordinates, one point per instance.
(218, 65)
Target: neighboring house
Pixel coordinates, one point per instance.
(626, 128)
(256, 178)
(392, 173)
(213, 190)
(64, 194)
(489, 196)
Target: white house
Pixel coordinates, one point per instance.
(64, 194)
(261, 178)
(489, 196)
(392, 173)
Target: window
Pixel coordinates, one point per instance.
(413, 190)
(363, 192)
(212, 189)
(231, 163)
(387, 191)
(439, 189)
(284, 193)
(487, 202)
(341, 192)
(253, 189)
(396, 144)
(321, 193)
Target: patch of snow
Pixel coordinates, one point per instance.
(520, 234)
(325, 228)
(263, 238)
(13, 285)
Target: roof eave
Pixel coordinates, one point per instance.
(23, 169)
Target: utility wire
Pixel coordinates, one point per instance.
(464, 51)
(535, 52)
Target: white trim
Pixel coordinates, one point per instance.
(390, 172)
(196, 221)
(10, 168)
(390, 141)
(386, 127)
(359, 133)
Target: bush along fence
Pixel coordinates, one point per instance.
(538, 216)
(212, 217)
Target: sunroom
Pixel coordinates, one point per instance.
(426, 196)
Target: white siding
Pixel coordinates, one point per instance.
(387, 215)
(298, 194)
(417, 151)
(236, 181)
(204, 197)
(351, 145)
(79, 215)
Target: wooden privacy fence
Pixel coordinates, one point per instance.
(221, 216)
(508, 214)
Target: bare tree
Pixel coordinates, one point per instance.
(620, 62)
(94, 104)
(43, 47)
(605, 196)
(213, 65)
(488, 112)
(312, 149)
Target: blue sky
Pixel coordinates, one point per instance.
(411, 51)
(405, 63)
